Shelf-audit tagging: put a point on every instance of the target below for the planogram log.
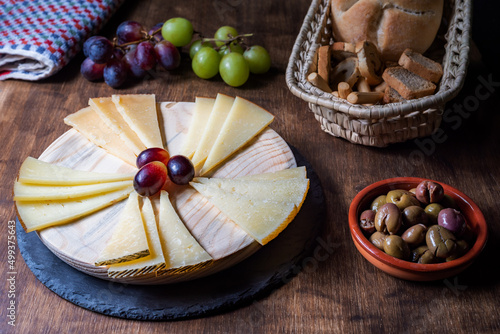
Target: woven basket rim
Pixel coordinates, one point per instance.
(314, 95)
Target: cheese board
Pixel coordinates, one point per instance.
(79, 243)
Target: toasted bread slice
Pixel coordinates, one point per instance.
(421, 65)
(408, 84)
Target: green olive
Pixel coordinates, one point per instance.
(461, 249)
(441, 242)
(402, 198)
(388, 219)
(422, 255)
(377, 239)
(414, 215)
(432, 211)
(378, 202)
(395, 246)
(415, 235)
(449, 202)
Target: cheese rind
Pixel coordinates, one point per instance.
(35, 192)
(42, 214)
(128, 240)
(202, 110)
(35, 171)
(244, 121)
(108, 113)
(150, 263)
(140, 113)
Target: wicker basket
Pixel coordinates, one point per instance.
(381, 125)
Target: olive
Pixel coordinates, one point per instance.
(415, 235)
(413, 190)
(448, 202)
(432, 211)
(378, 202)
(422, 255)
(377, 239)
(388, 219)
(452, 220)
(367, 221)
(462, 248)
(395, 246)
(402, 198)
(429, 192)
(414, 215)
(440, 241)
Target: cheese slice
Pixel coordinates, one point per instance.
(89, 124)
(140, 113)
(148, 264)
(289, 173)
(41, 214)
(244, 121)
(36, 192)
(261, 219)
(202, 110)
(106, 109)
(219, 113)
(180, 248)
(39, 172)
(128, 240)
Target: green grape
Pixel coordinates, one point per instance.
(196, 46)
(205, 63)
(233, 69)
(177, 31)
(258, 59)
(223, 32)
(233, 47)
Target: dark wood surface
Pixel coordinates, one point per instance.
(340, 292)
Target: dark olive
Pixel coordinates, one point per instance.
(395, 246)
(377, 239)
(367, 221)
(462, 248)
(402, 198)
(432, 211)
(441, 242)
(452, 220)
(429, 192)
(422, 255)
(388, 219)
(378, 202)
(415, 235)
(448, 202)
(414, 215)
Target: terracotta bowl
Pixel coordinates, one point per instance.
(405, 269)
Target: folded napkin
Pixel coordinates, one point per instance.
(39, 37)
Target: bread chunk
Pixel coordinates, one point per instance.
(392, 96)
(408, 84)
(421, 65)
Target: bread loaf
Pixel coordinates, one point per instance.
(392, 25)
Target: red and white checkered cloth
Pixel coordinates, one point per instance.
(39, 37)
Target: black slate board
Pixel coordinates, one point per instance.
(260, 274)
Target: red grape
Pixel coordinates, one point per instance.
(180, 169)
(115, 73)
(91, 71)
(152, 154)
(167, 55)
(150, 178)
(145, 55)
(98, 48)
(133, 69)
(157, 36)
(129, 31)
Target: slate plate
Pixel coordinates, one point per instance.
(266, 270)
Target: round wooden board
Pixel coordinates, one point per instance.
(80, 242)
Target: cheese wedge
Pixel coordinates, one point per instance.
(244, 121)
(222, 106)
(180, 248)
(140, 113)
(202, 110)
(89, 124)
(148, 264)
(128, 241)
(108, 113)
(261, 219)
(41, 214)
(35, 171)
(35, 192)
(290, 173)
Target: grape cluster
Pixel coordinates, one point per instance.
(134, 52)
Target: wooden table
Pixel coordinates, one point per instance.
(340, 293)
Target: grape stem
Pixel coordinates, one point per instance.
(238, 39)
(146, 38)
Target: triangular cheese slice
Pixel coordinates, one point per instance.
(261, 219)
(89, 124)
(222, 106)
(106, 109)
(128, 240)
(180, 248)
(243, 123)
(41, 214)
(35, 171)
(140, 113)
(148, 264)
(289, 173)
(202, 110)
(36, 192)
